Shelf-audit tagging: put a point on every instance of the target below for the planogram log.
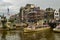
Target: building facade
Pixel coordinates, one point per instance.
(31, 13)
(56, 15)
(49, 13)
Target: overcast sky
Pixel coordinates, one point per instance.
(14, 5)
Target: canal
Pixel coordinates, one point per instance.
(42, 35)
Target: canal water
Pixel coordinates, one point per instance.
(17, 35)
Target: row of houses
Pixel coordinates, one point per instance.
(32, 13)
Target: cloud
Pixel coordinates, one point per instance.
(5, 4)
(16, 4)
(41, 3)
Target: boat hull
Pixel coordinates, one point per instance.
(28, 30)
(56, 30)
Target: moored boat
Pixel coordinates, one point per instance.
(36, 28)
(28, 30)
(56, 30)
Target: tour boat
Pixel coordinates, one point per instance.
(57, 29)
(34, 29)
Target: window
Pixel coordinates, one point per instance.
(56, 13)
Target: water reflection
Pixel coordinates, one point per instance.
(45, 35)
(57, 36)
(9, 35)
(3, 37)
(17, 35)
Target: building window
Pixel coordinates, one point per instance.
(56, 13)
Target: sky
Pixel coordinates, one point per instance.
(14, 5)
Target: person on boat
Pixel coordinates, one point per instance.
(52, 23)
(58, 26)
(34, 26)
(45, 24)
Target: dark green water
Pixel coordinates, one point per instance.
(17, 35)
